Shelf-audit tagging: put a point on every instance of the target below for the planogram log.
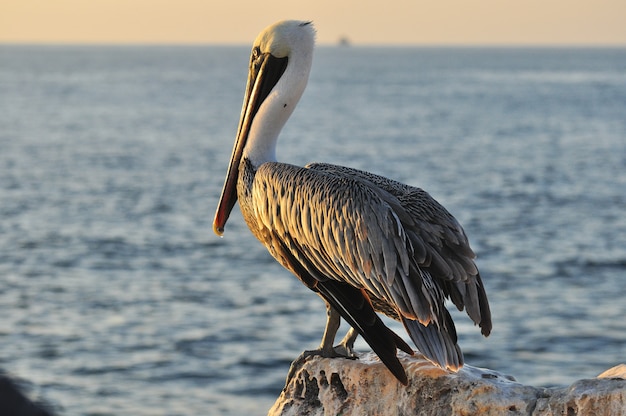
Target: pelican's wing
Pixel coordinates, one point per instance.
(344, 230)
(335, 228)
(441, 248)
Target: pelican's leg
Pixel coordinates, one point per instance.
(333, 320)
(326, 348)
(346, 346)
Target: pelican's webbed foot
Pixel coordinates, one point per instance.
(339, 351)
(346, 346)
(345, 349)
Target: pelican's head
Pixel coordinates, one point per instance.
(280, 63)
(285, 37)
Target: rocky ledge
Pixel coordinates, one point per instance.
(322, 386)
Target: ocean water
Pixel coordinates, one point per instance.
(117, 298)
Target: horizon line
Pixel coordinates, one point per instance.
(338, 44)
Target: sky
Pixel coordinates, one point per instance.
(421, 22)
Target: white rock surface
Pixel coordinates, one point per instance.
(322, 386)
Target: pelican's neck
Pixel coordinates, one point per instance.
(277, 107)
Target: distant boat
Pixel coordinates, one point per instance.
(344, 41)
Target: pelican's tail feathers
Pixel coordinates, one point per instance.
(437, 343)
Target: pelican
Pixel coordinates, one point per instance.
(362, 242)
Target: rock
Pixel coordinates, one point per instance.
(14, 402)
(619, 371)
(323, 386)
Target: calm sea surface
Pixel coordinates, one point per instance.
(117, 298)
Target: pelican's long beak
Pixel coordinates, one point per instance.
(265, 71)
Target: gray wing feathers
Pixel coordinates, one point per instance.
(329, 216)
(391, 239)
(438, 242)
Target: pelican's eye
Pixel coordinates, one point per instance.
(255, 59)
